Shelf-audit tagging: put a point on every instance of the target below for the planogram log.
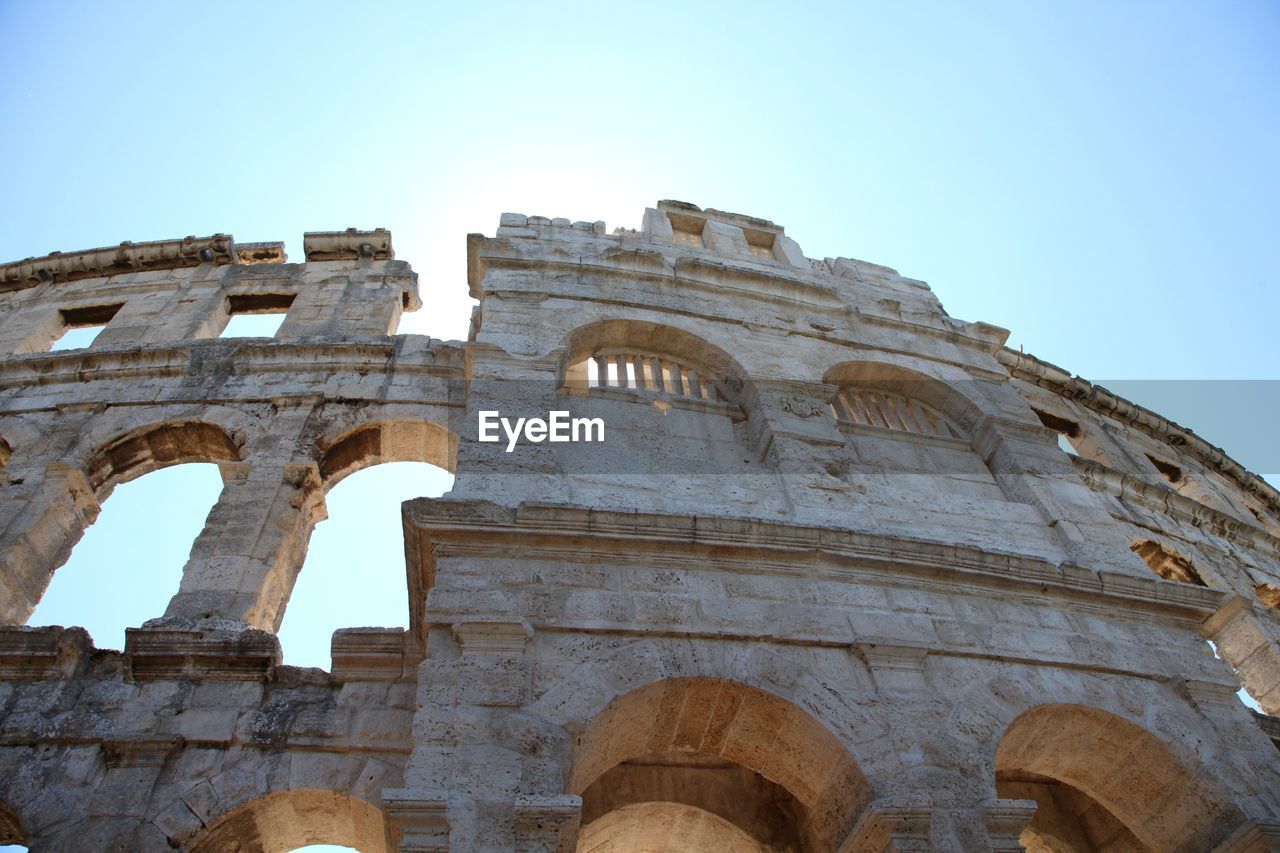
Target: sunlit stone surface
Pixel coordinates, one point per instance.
(830, 582)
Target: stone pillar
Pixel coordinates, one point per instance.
(43, 514)
(515, 387)
(474, 746)
(417, 820)
(351, 300)
(1250, 643)
(243, 565)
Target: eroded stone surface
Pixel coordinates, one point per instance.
(828, 584)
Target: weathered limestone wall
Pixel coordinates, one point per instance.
(196, 722)
(828, 583)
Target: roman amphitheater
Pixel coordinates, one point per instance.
(845, 573)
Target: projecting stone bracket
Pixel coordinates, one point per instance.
(38, 653)
(891, 825)
(895, 668)
(547, 824)
(247, 655)
(1253, 837)
(370, 654)
(349, 245)
(492, 638)
(1006, 819)
(139, 751)
(417, 820)
(1211, 698)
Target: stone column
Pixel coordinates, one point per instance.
(1251, 644)
(793, 421)
(43, 514)
(488, 768)
(244, 563)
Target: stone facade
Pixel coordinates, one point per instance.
(828, 583)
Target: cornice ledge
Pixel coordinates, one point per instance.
(534, 518)
(1102, 478)
(1054, 378)
(117, 260)
(183, 357)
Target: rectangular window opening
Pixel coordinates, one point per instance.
(1069, 432)
(256, 315)
(686, 230)
(1171, 472)
(81, 326)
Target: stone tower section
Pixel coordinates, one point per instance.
(825, 568)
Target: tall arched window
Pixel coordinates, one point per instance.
(354, 572)
(162, 484)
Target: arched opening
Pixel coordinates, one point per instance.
(1101, 782)
(682, 427)
(357, 554)
(1166, 562)
(664, 826)
(634, 342)
(162, 485)
(915, 430)
(157, 446)
(292, 820)
(725, 759)
(387, 441)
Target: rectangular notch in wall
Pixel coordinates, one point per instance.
(760, 243)
(81, 325)
(1069, 432)
(259, 303)
(687, 230)
(256, 315)
(1170, 472)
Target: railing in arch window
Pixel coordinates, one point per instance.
(654, 374)
(890, 410)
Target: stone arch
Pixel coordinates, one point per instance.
(699, 405)
(1120, 766)
(154, 446)
(664, 826)
(11, 831)
(647, 337)
(745, 726)
(286, 820)
(65, 498)
(932, 391)
(392, 440)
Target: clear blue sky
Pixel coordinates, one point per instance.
(1101, 178)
